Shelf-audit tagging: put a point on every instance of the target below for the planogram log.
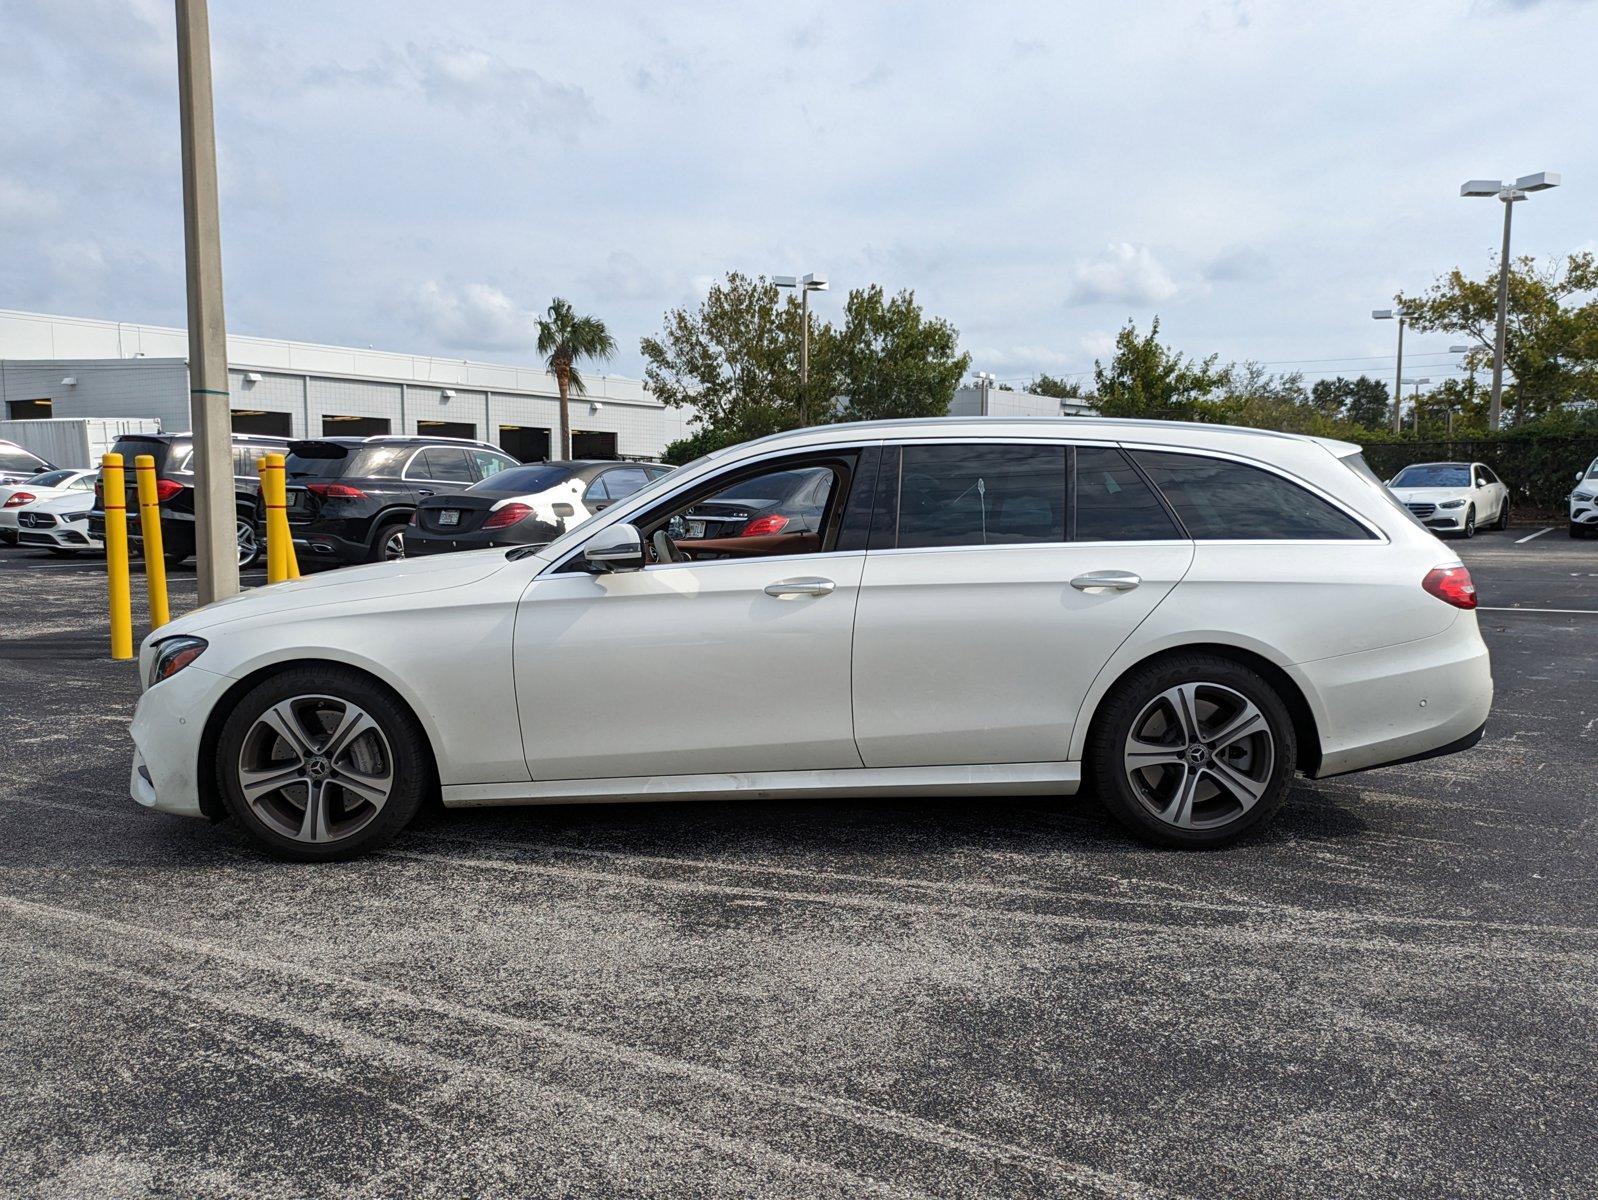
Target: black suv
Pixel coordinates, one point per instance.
(174, 474)
(351, 499)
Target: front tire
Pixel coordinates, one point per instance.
(1470, 522)
(1192, 751)
(324, 764)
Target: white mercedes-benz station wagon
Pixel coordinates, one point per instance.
(1183, 614)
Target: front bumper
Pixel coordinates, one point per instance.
(168, 725)
(1585, 513)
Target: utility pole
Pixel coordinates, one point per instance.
(215, 510)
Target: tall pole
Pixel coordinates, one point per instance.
(215, 532)
(1398, 381)
(804, 354)
(1495, 407)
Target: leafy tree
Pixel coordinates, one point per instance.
(1363, 402)
(735, 360)
(1060, 389)
(1250, 395)
(565, 339)
(891, 361)
(1551, 340)
(1144, 379)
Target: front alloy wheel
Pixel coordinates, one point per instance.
(322, 764)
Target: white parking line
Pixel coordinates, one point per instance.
(1589, 612)
(1530, 536)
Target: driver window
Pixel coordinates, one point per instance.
(785, 510)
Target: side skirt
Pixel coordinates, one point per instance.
(993, 779)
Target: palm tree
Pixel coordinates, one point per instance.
(564, 338)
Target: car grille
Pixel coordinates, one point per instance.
(33, 520)
(1421, 510)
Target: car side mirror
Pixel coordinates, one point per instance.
(615, 548)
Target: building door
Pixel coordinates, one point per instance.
(29, 410)
(525, 443)
(337, 426)
(454, 429)
(594, 445)
(253, 420)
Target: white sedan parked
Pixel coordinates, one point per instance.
(1186, 614)
(16, 498)
(1453, 497)
(1584, 502)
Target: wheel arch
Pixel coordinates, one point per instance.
(1306, 729)
(205, 774)
(387, 516)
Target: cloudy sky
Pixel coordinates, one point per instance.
(423, 176)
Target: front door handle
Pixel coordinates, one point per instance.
(1106, 581)
(800, 587)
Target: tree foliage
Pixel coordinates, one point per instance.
(1551, 335)
(1059, 389)
(1364, 402)
(890, 361)
(1144, 379)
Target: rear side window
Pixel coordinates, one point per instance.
(443, 463)
(624, 481)
(1219, 499)
(1113, 503)
(981, 495)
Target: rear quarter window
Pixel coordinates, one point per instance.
(1220, 499)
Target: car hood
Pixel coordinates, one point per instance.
(347, 585)
(1431, 495)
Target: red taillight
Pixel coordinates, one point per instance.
(165, 489)
(335, 491)
(18, 499)
(1451, 585)
(508, 515)
(760, 525)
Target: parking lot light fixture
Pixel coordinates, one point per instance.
(1395, 314)
(805, 285)
(1509, 194)
(985, 382)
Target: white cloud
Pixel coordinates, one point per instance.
(23, 206)
(473, 316)
(1123, 274)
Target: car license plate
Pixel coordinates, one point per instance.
(450, 516)
(696, 529)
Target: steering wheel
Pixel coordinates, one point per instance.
(665, 549)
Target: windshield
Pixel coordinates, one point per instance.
(1592, 469)
(15, 458)
(523, 480)
(1434, 475)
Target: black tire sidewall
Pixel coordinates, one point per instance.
(384, 532)
(413, 766)
(1121, 707)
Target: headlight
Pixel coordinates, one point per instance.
(172, 655)
(1452, 504)
(1580, 497)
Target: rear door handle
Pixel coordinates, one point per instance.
(800, 587)
(1106, 581)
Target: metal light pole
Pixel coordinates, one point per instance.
(1510, 194)
(985, 382)
(1390, 314)
(1415, 407)
(215, 510)
(806, 284)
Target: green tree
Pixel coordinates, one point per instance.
(734, 360)
(1551, 342)
(1060, 389)
(890, 361)
(1144, 379)
(1363, 402)
(565, 339)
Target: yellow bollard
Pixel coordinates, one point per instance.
(113, 488)
(154, 551)
(270, 469)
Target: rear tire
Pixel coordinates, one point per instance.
(389, 544)
(1192, 751)
(1503, 516)
(322, 764)
(249, 544)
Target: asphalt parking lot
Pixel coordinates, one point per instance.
(1393, 991)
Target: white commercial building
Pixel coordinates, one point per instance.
(976, 401)
(73, 367)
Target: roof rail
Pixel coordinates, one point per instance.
(431, 437)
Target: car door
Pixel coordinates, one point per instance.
(736, 662)
(1003, 579)
(1490, 494)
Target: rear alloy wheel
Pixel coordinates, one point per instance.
(249, 546)
(322, 765)
(389, 544)
(1193, 751)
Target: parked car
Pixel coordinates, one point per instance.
(350, 500)
(1185, 614)
(174, 470)
(18, 465)
(1453, 497)
(528, 505)
(58, 523)
(44, 486)
(786, 502)
(1584, 502)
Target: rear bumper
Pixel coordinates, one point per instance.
(419, 543)
(1401, 703)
